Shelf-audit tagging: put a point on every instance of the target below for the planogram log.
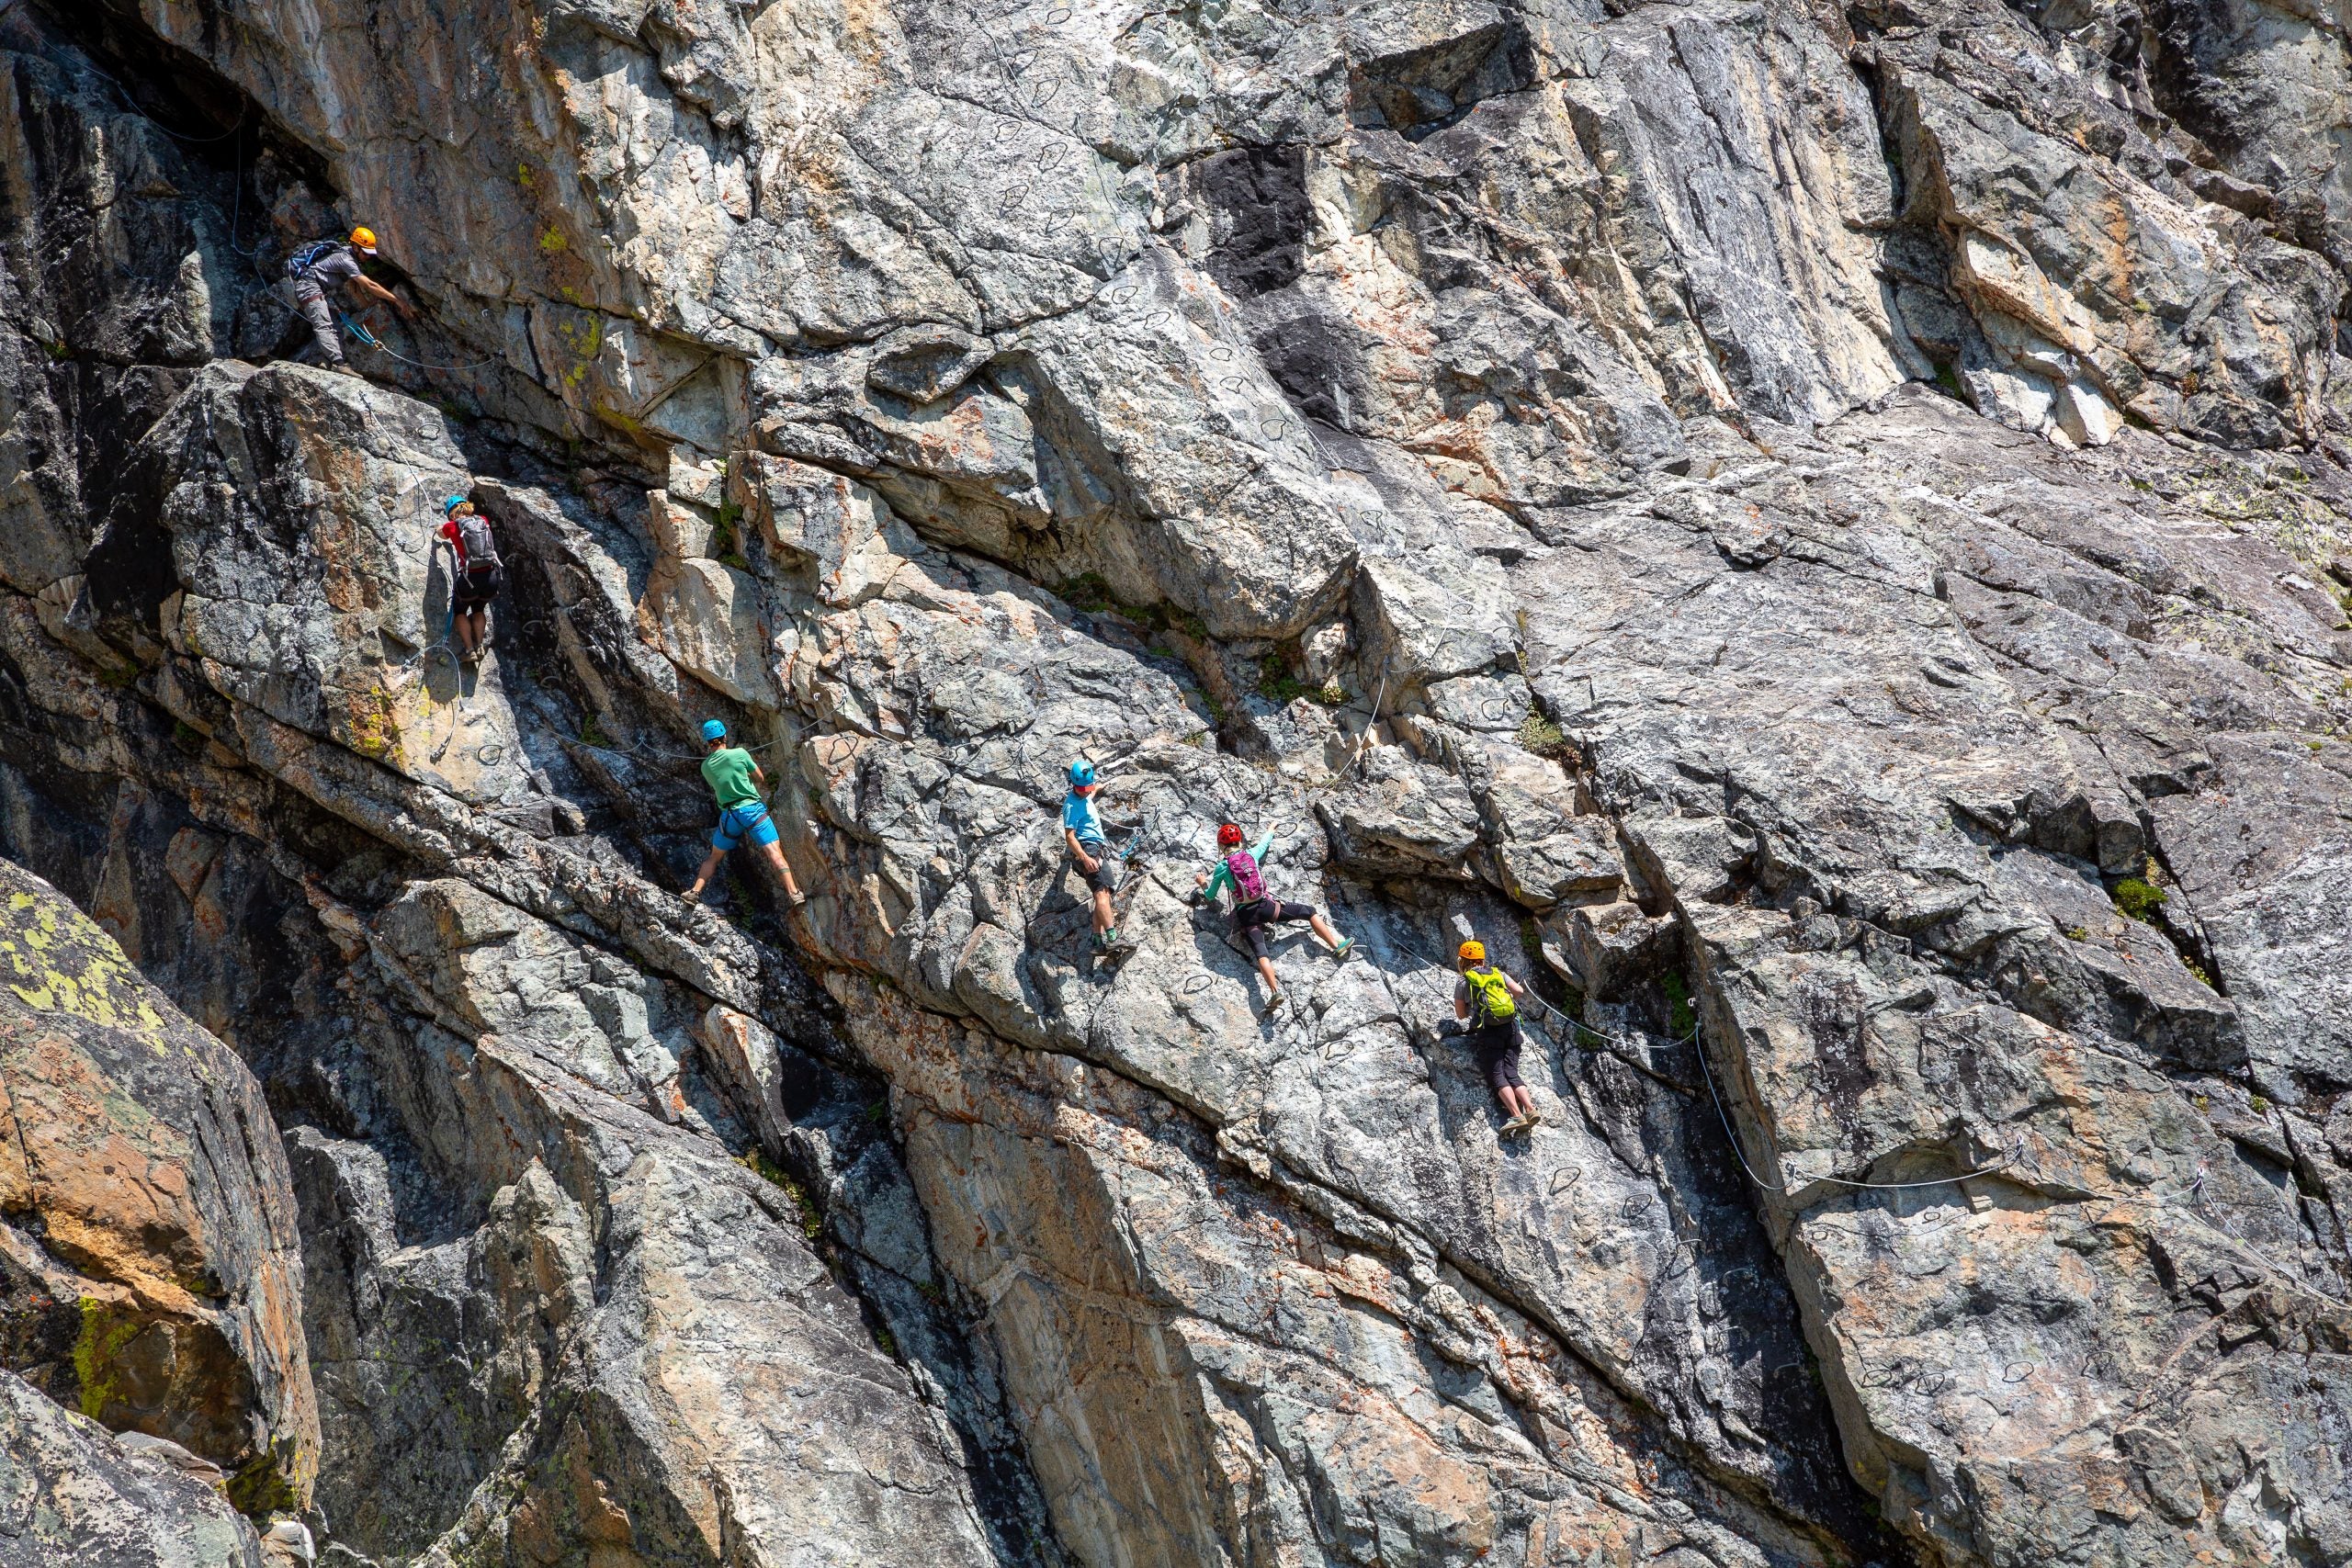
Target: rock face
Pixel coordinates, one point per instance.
(1831, 527)
(151, 1275)
(70, 1493)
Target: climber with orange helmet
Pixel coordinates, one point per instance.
(1485, 1001)
(1254, 909)
(324, 265)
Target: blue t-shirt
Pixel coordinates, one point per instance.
(1077, 816)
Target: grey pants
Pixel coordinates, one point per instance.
(312, 302)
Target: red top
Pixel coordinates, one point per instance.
(450, 531)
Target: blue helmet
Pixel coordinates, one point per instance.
(1081, 774)
(452, 504)
(713, 729)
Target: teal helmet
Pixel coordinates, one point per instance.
(452, 504)
(713, 729)
(1081, 774)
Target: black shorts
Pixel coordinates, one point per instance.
(1497, 1048)
(1107, 872)
(1252, 918)
(477, 588)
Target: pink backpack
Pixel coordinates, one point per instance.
(1246, 880)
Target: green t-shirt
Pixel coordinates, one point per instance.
(727, 771)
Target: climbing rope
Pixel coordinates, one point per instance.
(642, 755)
(364, 335)
(1738, 1153)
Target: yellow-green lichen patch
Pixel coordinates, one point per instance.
(56, 959)
(104, 1331)
(374, 729)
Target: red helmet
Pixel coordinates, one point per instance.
(1228, 837)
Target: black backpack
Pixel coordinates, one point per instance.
(473, 536)
(310, 255)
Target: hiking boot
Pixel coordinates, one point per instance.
(1516, 1127)
(1275, 999)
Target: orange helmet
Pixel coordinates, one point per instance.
(1471, 952)
(365, 238)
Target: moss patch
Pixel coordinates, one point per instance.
(2139, 901)
(262, 1488)
(812, 1223)
(1681, 1017)
(104, 1331)
(1543, 738)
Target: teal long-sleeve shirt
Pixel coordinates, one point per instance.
(1222, 877)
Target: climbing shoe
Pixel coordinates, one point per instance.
(1346, 945)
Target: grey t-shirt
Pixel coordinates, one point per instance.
(331, 271)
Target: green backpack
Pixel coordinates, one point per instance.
(1491, 1000)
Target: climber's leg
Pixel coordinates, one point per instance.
(1497, 1048)
(472, 594)
(315, 310)
(1105, 879)
(1253, 931)
(775, 859)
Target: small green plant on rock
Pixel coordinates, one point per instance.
(1089, 593)
(812, 1223)
(1541, 736)
(2139, 901)
(1277, 684)
(1681, 1017)
(726, 544)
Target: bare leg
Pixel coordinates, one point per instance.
(1102, 911)
(775, 859)
(1266, 968)
(709, 863)
(1322, 928)
(480, 619)
(1518, 1101)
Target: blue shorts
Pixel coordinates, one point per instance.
(737, 823)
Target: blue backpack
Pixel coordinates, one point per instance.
(309, 255)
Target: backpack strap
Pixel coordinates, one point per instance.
(303, 260)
